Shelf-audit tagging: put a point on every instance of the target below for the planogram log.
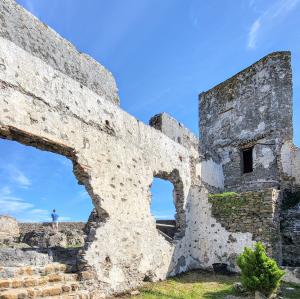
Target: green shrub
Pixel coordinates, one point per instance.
(259, 272)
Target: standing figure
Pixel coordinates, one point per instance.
(54, 217)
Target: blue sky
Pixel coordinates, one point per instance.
(163, 53)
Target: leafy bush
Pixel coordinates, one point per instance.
(259, 272)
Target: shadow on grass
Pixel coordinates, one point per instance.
(158, 294)
(218, 294)
(290, 291)
(199, 276)
(208, 295)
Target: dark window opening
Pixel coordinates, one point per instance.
(247, 156)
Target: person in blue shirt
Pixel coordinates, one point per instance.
(54, 217)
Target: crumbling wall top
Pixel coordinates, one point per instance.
(226, 88)
(27, 32)
(174, 130)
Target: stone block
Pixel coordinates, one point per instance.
(51, 291)
(9, 229)
(66, 288)
(17, 283)
(4, 284)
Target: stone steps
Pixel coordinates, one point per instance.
(82, 294)
(49, 281)
(35, 280)
(57, 289)
(12, 272)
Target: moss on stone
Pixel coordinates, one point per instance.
(227, 203)
(222, 195)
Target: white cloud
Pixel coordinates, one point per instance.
(275, 14)
(253, 34)
(16, 176)
(12, 205)
(20, 178)
(22, 210)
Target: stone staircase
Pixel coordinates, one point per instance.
(49, 281)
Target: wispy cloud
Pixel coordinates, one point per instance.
(17, 176)
(22, 210)
(275, 14)
(10, 204)
(253, 34)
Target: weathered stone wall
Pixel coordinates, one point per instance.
(27, 227)
(253, 108)
(56, 99)
(35, 37)
(205, 241)
(253, 212)
(290, 228)
(174, 130)
(115, 156)
(41, 235)
(9, 229)
(208, 172)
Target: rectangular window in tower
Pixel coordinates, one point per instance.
(247, 160)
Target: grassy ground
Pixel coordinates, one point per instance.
(199, 285)
(291, 291)
(192, 285)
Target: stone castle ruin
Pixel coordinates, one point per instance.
(229, 184)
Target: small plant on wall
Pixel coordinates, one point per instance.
(258, 271)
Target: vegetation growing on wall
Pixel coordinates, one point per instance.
(227, 202)
(222, 195)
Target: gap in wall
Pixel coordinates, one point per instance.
(163, 207)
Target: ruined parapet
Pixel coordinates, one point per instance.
(174, 130)
(246, 119)
(27, 32)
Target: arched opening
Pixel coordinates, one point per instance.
(167, 201)
(34, 180)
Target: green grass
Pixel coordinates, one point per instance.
(201, 285)
(288, 293)
(193, 285)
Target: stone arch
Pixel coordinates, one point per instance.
(80, 171)
(180, 216)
